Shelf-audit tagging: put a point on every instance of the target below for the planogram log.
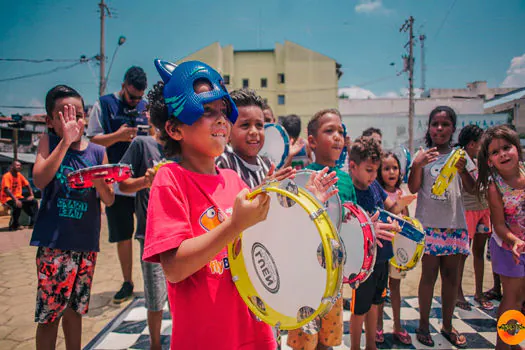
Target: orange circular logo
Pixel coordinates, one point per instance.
(511, 327)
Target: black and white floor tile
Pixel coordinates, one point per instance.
(129, 329)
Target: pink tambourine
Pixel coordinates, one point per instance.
(83, 178)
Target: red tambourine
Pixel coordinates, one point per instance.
(82, 178)
(359, 238)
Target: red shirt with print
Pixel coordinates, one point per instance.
(206, 309)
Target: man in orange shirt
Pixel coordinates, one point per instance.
(11, 194)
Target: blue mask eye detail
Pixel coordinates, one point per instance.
(180, 98)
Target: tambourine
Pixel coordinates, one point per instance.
(288, 268)
(448, 172)
(83, 178)
(405, 159)
(359, 239)
(408, 244)
(276, 144)
(161, 163)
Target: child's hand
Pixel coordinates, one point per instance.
(247, 213)
(404, 201)
(149, 176)
(99, 183)
(71, 127)
(425, 157)
(296, 147)
(518, 248)
(384, 230)
(281, 174)
(320, 182)
(460, 164)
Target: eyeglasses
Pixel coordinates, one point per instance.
(131, 96)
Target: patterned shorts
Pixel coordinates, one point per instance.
(446, 241)
(64, 280)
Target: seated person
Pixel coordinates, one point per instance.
(11, 194)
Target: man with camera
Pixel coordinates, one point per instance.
(114, 121)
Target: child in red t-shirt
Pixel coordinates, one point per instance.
(196, 209)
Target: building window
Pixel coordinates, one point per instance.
(264, 82)
(226, 79)
(280, 78)
(245, 83)
(280, 99)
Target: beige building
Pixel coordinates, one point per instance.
(292, 78)
(476, 89)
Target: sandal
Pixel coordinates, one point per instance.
(491, 294)
(484, 304)
(464, 305)
(454, 338)
(380, 337)
(403, 337)
(424, 337)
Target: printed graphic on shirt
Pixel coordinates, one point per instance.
(208, 220)
(435, 169)
(67, 206)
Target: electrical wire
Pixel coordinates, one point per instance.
(45, 72)
(444, 19)
(37, 61)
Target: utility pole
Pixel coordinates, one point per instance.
(422, 39)
(102, 56)
(409, 65)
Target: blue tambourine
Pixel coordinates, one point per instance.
(276, 144)
(405, 160)
(408, 245)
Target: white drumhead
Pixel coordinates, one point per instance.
(275, 144)
(333, 205)
(404, 249)
(280, 256)
(354, 242)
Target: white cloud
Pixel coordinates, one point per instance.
(515, 73)
(371, 6)
(355, 92)
(417, 92)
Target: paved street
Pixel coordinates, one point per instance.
(18, 288)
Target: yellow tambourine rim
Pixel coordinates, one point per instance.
(334, 275)
(160, 164)
(420, 249)
(447, 173)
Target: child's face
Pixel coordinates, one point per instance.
(365, 173)
(328, 142)
(378, 138)
(441, 129)
(209, 135)
(503, 155)
(268, 116)
(247, 135)
(390, 171)
(55, 122)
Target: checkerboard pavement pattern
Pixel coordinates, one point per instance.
(129, 329)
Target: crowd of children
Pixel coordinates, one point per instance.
(189, 209)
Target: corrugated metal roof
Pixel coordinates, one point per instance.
(511, 96)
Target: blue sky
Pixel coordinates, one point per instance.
(467, 40)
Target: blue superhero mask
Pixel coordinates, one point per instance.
(182, 101)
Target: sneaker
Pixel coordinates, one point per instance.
(125, 293)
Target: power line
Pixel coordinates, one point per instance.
(84, 60)
(45, 60)
(22, 107)
(444, 19)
